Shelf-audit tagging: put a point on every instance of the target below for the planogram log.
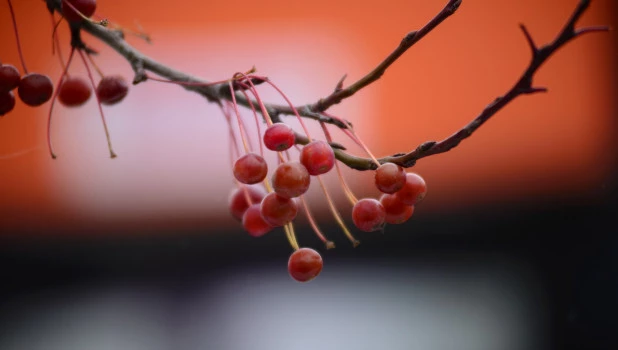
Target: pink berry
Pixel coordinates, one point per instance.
(291, 179)
(277, 210)
(250, 169)
(254, 223)
(74, 91)
(396, 211)
(9, 77)
(237, 201)
(35, 89)
(390, 178)
(413, 191)
(7, 102)
(279, 137)
(368, 215)
(305, 264)
(318, 157)
(112, 89)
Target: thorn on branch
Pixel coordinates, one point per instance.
(533, 90)
(339, 85)
(140, 72)
(593, 29)
(530, 41)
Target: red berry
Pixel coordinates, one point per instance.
(35, 89)
(413, 191)
(7, 102)
(368, 214)
(112, 89)
(254, 223)
(291, 179)
(305, 264)
(279, 137)
(74, 91)
(390, 178)
(318, 157)
(9, 77)
(396, 211)
(238, 199)
(277, 210)
(86, 7)
(250, 169)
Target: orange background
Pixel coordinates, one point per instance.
(173, 168)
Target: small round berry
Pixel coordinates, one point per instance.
(86, 7)
(35, 89)
(74, 91)
(9, 77)
(254, 223)
(413, 191)
(396, 211)
(7, 102)
(279, 137)
(368, 215)
(112, 89)
(318, 157)
(390, 178)
(277, 210)
(291, 179)
(250, 169)
(305, 264)
(237, 201)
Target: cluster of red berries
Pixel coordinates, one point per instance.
(262, 203)
(74, 91)
(35, 89)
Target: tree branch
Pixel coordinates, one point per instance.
(215, 93)
(522, 87)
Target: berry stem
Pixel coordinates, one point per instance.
(257, 121)
(94, 87)
(56, 41)
(241, 130)
(234, 151)
(96, 67)
(346, 189)
(336, 215)
(51, 107)
(253, 90)
(289, 233)
(287, 100)
(352, 134)
(329, 244)
(21, 55)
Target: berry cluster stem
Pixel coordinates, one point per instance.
(50, 147)
(19, 51)
(112, 154)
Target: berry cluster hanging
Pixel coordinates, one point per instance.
(261, 202)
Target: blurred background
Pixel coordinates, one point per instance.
(515, 246)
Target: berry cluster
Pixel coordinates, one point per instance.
(263, 203)
(35, 89)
